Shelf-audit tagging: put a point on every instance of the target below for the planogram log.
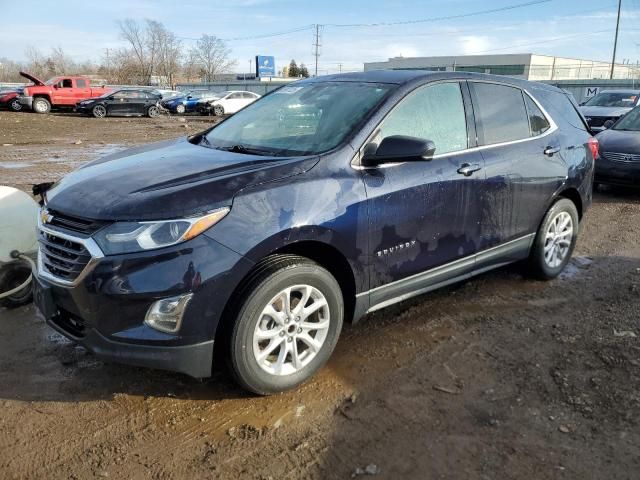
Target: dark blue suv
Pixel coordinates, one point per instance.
(322, 201)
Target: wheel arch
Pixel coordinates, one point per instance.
(327, 256)
(572, 194)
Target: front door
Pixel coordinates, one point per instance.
(425, 214)
(64, 93)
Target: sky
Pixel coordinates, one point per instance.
(572, 28)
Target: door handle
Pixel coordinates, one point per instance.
(467, 169)
(551, 151)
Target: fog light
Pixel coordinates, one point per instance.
(166, 314)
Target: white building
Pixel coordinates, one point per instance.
(529, 66)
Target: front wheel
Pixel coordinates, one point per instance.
(41, 105)
(555, 240)
(218, 110)
(99, 111)
(287, 326)
(180, 109)
(15, 105)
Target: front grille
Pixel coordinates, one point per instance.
(598, 121)
(62, 258)
(75, 224)
(622, 157)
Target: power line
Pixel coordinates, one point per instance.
(436, 19)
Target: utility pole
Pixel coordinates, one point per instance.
(316, 44)
(615, 42)
(340, 67)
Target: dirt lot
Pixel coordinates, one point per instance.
(498, 378)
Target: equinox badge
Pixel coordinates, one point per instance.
(395, 248)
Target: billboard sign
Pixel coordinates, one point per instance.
(265, 66)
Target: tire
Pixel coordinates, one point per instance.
(218, 110)
(283, 339)
(41, 105)
(15, 105)
(180, 109)
(552, 249)
(99, 111)
(153, 111)
(12, 277)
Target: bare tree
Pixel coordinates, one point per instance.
(190, 66)
(36, 62)
(59, 63)
(170, 52)
(212, 57)
(143, 45)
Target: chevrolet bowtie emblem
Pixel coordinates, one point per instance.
(45, 216)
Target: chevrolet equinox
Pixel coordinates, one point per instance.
(326, 199)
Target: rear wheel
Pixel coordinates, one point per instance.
(555, 240)
(41, 105)
(153, 111)
(287, 326)
(99, 111)
(218, 110)
(15, 105)
(14, 276)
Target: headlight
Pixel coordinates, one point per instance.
(129, 237)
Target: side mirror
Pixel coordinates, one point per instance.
(581, 104)
(56, 86)
(189, 97)
(398, 148)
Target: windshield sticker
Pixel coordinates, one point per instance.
(289, 90)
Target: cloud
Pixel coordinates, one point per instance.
(474, 43)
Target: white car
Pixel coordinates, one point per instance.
(228, 102)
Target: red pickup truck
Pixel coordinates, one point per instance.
(63, 91)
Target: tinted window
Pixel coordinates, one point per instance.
(81, 83)
(235, 96)
(122, 94)
(500, 113)
(538, 123)
(434, 112)
(66, 83)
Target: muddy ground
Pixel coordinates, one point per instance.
(500, 377)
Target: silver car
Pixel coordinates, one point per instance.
(608, 106)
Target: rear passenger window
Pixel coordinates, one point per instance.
(538, 123)
(434, 112)
(500, 113)
(81, 83)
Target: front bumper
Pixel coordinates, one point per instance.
(105, 310)
(617, 173)
(27, 101)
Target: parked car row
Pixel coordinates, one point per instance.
(76, 92)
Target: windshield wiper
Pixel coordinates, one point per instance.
(205, 140)
(247, 150)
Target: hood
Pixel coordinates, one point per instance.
(619, 141)
(164, 180)
(35, 80)
(604, 111)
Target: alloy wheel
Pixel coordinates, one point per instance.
(558, 239)
(153, 111)
(15, 105)
(291, 330)
(99, 111)
(180, 109)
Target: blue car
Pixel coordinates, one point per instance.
(320, 202)
(186, 103)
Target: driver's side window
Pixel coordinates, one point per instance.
(433, 112)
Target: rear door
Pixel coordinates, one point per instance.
(520, 144)
(82, 90)
(119, 103)
(424, 214)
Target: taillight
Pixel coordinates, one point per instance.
(594, 146)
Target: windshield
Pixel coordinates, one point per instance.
(52, 81)
(299, 120)
(613, 99)
(631, 121)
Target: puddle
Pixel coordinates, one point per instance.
(575, 267)
(14, 165)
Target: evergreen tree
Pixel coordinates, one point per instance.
(303, 70)
(294, 71)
